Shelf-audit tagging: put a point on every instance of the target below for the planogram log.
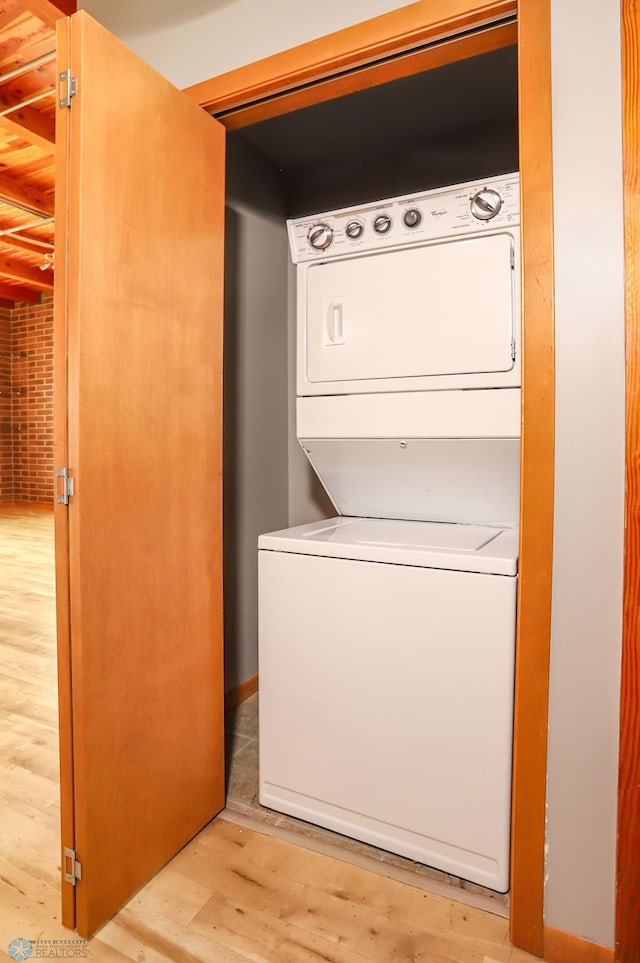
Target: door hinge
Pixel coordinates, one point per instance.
(62, 497)
(72, 868)
(513, 259)
(68, 87)
(513, 349)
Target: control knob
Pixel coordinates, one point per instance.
(412, 217)
(354, 230)
(382, 224)
(320, 236)
(485, 204)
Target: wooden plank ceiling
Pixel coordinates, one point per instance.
(27, 146)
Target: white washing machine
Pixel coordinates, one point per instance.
(387, 634)
(386, 686)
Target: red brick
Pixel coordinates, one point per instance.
(26, 420)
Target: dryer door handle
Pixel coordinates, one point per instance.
(334, 332)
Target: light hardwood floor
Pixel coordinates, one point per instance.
(232, 894)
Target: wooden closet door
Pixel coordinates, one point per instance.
(140, 211)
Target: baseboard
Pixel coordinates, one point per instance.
(235, 696)
(22, 506)
(560, 947)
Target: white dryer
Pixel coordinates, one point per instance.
(387, 634)
(420, 292)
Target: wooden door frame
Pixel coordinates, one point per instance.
(628, 855)
(372, 52)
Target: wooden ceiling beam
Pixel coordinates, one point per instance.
(22, 244)
(67, 6)
(10, 13)
(49, 13)
(34, 125)
(26, 132)
(13, 293)
(9, 58)
(19, 271)
(29, 197)
(28, 137)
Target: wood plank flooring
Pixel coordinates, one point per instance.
(232, 894)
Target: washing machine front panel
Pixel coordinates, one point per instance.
(386, 706)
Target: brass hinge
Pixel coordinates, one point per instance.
(68, 87)
(72, 868)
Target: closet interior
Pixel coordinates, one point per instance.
(443, 126)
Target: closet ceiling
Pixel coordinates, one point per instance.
(445, 125)
(27, 145)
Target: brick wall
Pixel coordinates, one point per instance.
(31, 408)
(6, 455)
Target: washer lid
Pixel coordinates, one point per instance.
(444, 545)
(475, 481)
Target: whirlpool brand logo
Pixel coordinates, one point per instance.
(20, 949)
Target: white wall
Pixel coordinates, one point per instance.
(197, 39)
(587, 570)
(193, 40)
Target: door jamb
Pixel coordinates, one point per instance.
(363, 46)
(63, 212)
(627, 941)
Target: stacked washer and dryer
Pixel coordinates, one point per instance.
(387, 633)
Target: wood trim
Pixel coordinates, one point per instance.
(13, 293)
(405, 65)
(388, 35)
(393, 34)
(21, 506)
(537, 467)
(628, 856)
(560, 947)
(61, 517)
(243, 691)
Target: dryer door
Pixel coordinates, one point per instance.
(444, 309)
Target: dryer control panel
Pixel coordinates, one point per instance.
(469, 208)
